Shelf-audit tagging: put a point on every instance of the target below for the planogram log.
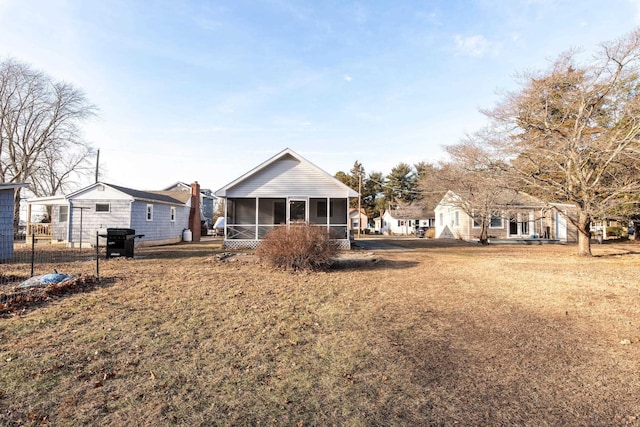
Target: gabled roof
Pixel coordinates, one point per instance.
(170, 197)
(503, 198)
(222, 192)
(186, 187)
(410, 212)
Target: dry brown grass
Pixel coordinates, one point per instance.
(445, 333)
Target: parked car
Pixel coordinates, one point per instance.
(218, 227)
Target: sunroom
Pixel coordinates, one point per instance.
(285, 191)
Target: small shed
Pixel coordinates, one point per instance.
(285, 190)
(7, 217)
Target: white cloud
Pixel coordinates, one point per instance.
(347, 78)
(475, 46)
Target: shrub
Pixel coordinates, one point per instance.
(617, 231)
(300, 247)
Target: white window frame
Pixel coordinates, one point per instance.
(149, 214)
(108, 205)
(66, 213)
(172, 214)
(501, 222)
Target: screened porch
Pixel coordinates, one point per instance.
(250, 219)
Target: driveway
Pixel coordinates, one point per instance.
(377, 245)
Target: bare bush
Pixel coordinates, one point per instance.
(301, 247)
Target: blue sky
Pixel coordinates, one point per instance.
(207, 90)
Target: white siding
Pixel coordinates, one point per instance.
(288, 177)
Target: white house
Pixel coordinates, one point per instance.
(518, 217)
(284, 190)
(356, 220)
(403, 220)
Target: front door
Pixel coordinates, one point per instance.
(297, 211)
(561, 227)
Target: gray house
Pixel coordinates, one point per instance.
(283, 191)
(7, 194)
(162, 216)
(207, 200)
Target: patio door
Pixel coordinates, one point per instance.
(297, 211)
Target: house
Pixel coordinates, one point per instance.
(356, 220)
(403, 220)
(285, 190)
(207, 200)
(161, 216)
(7, 199)
(517, 217)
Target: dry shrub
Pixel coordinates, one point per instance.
(300, 247)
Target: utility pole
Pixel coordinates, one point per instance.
(359, 200)
(97, 164)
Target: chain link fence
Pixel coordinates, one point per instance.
(25, 259)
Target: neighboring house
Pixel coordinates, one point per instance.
(7, 200)
(284, 191)
(521, 217)
(161, 216)
(207, 200)
(403, 220)
(356, 221)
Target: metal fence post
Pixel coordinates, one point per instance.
(33, 249)
(97, 255)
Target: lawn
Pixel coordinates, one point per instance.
(438, 334)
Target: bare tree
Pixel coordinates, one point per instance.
(473, 180)
(40, 138)
(572, 132)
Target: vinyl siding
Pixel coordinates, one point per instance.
(6, 224)
(161, 227)
(59, 229)
(288, 177)
(92, 221)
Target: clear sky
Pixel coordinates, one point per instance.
(206, 90)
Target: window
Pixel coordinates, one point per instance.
(496, 221)
(441, 216)
(64, 214)
(172, 214)
(513, 224)
(321, 209)
(149, 212)
(456, 220)
(103, 207)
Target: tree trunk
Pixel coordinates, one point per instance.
(636, 230)
(584, 234)
(484, 237)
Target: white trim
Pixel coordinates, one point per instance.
(222, 192)
(149, 212)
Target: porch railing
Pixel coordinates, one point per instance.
(39, 230)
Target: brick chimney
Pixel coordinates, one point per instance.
(194, 213)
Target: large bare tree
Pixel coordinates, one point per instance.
(475, 177)
(572, 133)
(40, 137)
